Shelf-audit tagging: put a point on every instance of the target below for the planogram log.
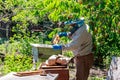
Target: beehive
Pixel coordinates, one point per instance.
(63, 71)
(45, 50)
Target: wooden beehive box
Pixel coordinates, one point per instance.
(45, 50)
(63, 71)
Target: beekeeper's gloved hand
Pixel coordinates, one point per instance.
(57, 47)
(61, 34)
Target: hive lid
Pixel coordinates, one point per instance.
(46, 50)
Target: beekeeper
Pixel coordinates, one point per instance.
(81, 46)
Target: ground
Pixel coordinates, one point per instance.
(94, 72)
(98, 72)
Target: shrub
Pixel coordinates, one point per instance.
(16, 63)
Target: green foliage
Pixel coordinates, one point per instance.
(9, 47)
(68, 54)
(25, 45)
(54, 32)
(1, 66)
(17, 63)
(2, 40)
(105, 29)
(20, 46)
(96, 78)
(102, 16)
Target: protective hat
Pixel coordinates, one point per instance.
(76, 24)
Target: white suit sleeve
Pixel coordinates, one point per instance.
(78, 38)
(74, 44)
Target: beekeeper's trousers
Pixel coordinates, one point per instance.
(83, 65)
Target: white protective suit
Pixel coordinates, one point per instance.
(81, 43)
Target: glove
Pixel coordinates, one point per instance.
(57, 47)
(62, 34)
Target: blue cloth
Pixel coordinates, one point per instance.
(61, 34)
(57, 47)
